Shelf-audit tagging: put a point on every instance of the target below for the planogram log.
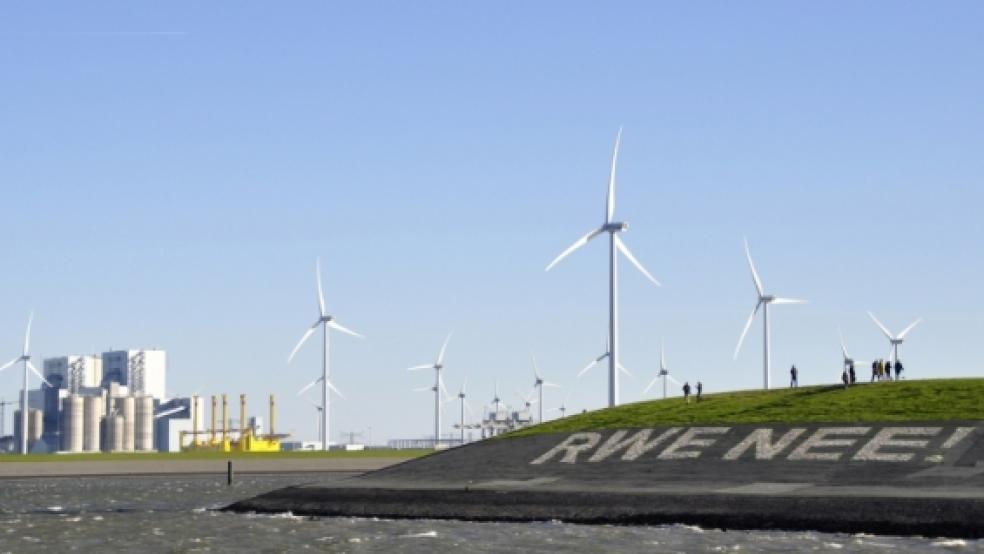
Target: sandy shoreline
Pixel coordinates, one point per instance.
(19, 470)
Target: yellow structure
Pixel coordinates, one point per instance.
(243, 439)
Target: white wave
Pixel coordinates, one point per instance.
(952, 544)
(54, 508)
(424, 535)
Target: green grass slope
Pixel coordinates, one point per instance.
(928, 400)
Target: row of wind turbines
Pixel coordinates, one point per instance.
(613, 228)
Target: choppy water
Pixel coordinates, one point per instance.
(173, 514)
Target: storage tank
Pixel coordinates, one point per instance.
(90, 427)
(35, 423)
(144, 424)
(72, 423)
(35, 426)
(114, 432)
(127, 409)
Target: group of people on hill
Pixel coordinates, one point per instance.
(686, 391)
(881, 370)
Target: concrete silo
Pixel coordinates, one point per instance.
(126, 407)
(90, 428)
(144, 424)
(73, 417)
(114, 432)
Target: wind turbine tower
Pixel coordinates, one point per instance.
(464, 404)
(615, 245)
(764, 300)
(25, 357)
(663, 374)
(326, 322)
(538, 384)
(438, 387)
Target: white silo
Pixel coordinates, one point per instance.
(72, 423)
(114, 432)
(35, 423)
(90, 427)
(127, 408)
(144, 424)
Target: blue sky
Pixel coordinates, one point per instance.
(170, 172)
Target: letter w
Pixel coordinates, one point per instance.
(634, 446)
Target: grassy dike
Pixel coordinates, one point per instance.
(923, 400)
(211, 455)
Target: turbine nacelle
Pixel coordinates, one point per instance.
(615, 227)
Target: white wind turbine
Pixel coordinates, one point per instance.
(25, 357)
(438, 387)
(562, 408)
(663, 373)
(764, 300)
(528, 402)
(538, 384)
(326, 322)
(615, 245)
(848, 360)
(598, 360)
(894, 340)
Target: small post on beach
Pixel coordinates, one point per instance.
(229, 473)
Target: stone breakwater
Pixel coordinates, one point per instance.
(901, 478)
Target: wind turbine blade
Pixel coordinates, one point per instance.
(422, 389)
(577, 244)
(755, 275)
(308, 386)
(304, 337)
(554, 385)
(313, 403)
(444, 347)
(610, 204)
(744, 331)
(27, 335)
(444, 389)
(623, 370)
(321, 292)
(670, 377)
(843, 346)
(650, 385)
(909, 328)
(10, 363)
(336, 391)
(536, 370)
(592, 364)
(625, 251)
(788, 301)
(345, 330)
(38, 373)
(419, 367)
(662, 356)
(880, 326)
(468, 408)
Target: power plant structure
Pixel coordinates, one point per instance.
(109, 402)
(223, 436)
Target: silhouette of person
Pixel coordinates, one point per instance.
(793, 377)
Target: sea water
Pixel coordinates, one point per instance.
(177, 514)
